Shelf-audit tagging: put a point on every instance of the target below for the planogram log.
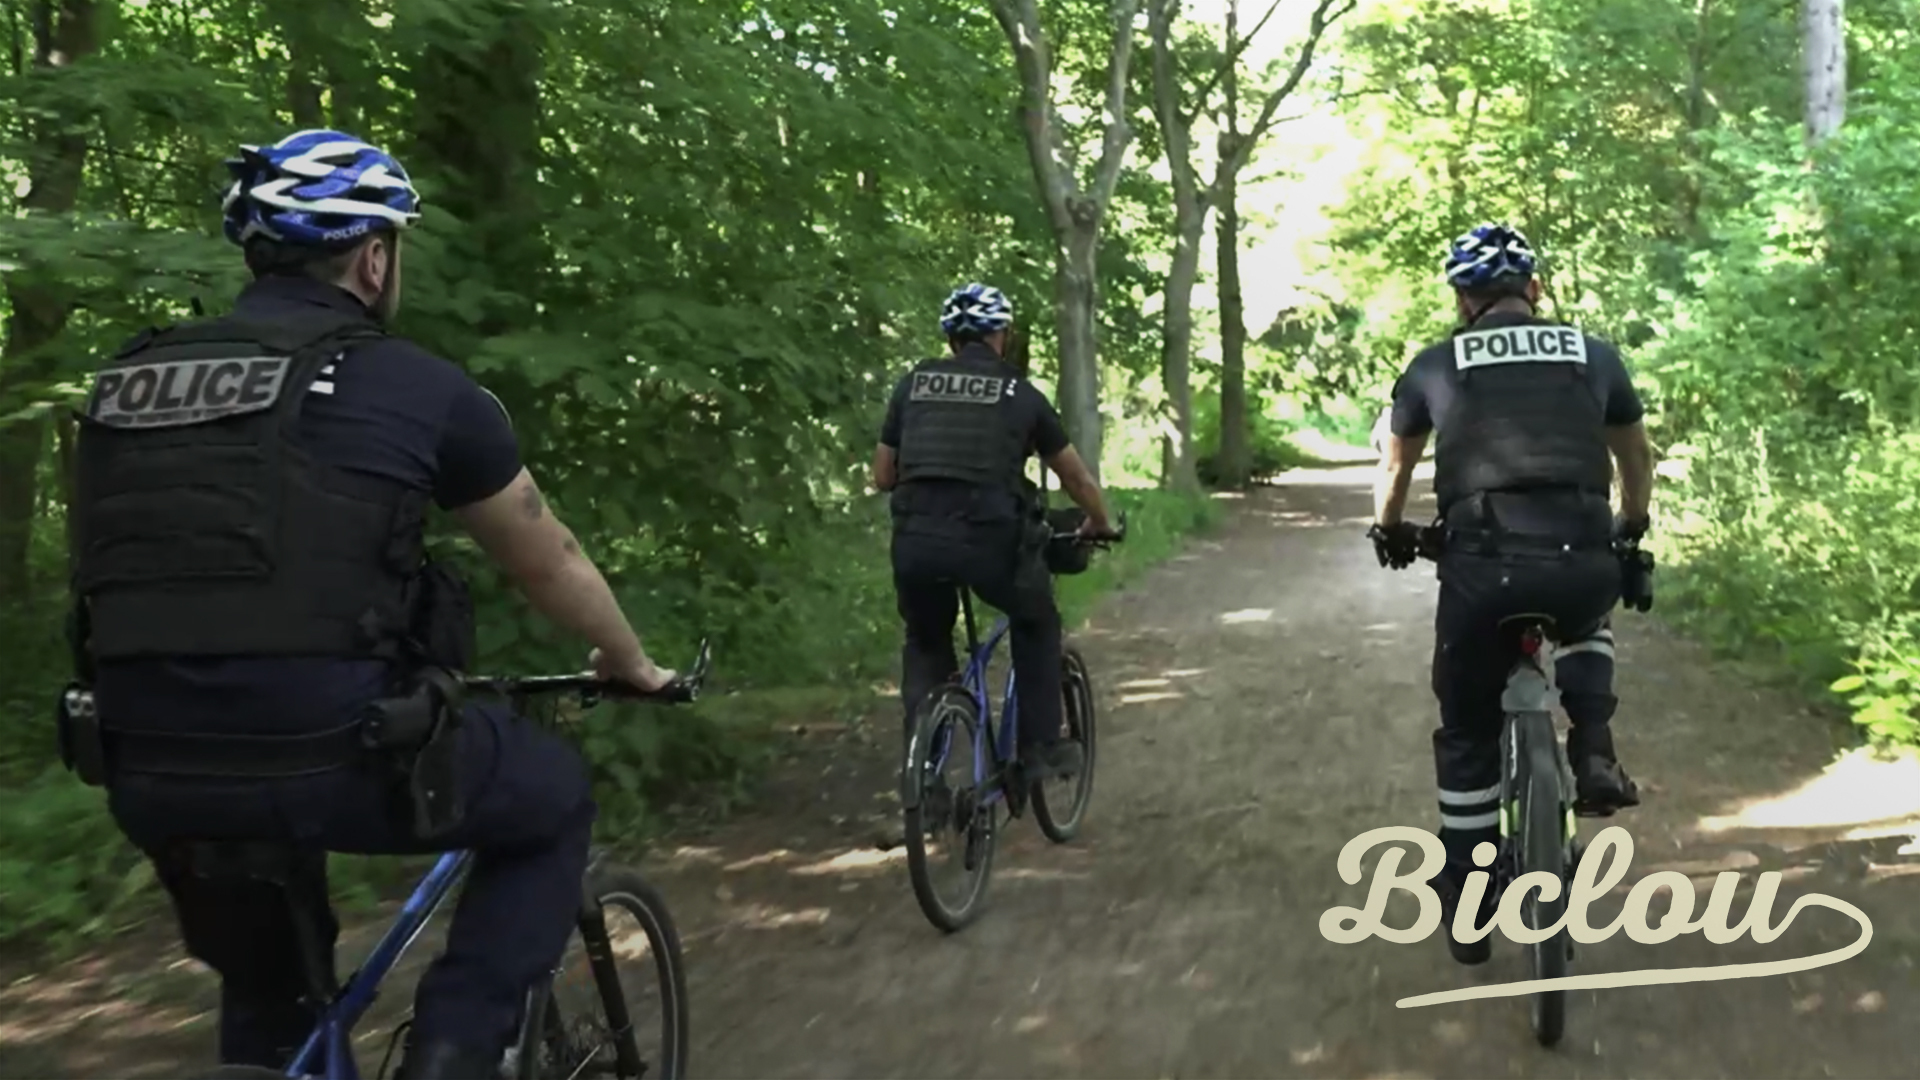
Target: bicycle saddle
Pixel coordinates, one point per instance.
(1529, 620)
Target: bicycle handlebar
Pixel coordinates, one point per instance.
(1100, 541)
(684, 688)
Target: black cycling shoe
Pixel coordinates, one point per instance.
(1054, 761)
(448, 1061)
(1463, 952)
(1602, 787)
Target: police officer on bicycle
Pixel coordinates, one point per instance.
(953, 453)
(250, 576)
(1527, 411)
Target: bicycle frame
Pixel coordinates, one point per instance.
(328, 1052)
(1002, 746)
(992, 748)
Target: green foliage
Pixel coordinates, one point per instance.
(1789, 374)
(689, 246)
(1157, 522)
(1267, 438)
(1764, 294)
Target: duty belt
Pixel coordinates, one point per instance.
(1503, 542)
(252, 757)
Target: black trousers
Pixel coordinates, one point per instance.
(1471, 661)
(530, 815)
(929, 567)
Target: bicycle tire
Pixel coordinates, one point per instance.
(1077, 687)
(625, 889)
(952, 707)
(1544, 848)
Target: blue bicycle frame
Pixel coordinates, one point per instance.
(991, 748)
(328, 1053)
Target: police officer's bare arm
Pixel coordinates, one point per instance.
(1634, 453)
(540, 553)
(1390, 487)
(886, 461)
(1080, 486)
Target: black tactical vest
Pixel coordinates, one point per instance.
(961, 422)
(1524, 416)
(200, 526)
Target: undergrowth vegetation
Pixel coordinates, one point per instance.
(690, 250)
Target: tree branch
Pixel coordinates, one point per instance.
(1232, 57)
(1118, 133)
(1176, 131)
(1325, 14)
(1020, 19)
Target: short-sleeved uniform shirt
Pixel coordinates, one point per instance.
(1047, 435)
(388, 408)
(1424, 396)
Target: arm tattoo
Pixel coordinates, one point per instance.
(571, 547)
(532, 504)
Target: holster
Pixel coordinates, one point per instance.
(419, 732)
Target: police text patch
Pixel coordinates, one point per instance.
(959, 389)
(1519, 345)
(176, 393)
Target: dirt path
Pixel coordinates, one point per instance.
(1264, 701)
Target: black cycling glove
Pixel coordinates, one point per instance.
(1396, 545)
(1631, 530)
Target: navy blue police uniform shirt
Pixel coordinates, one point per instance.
(1032, 411)
(1423, 396)
(388, 408)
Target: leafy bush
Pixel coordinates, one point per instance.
(1792, 396)
(1267, 438)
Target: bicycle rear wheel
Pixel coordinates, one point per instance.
(944, 812)
(1544, 848)
(1061, 813)
(618, 1006)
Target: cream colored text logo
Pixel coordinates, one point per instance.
(1348, 925)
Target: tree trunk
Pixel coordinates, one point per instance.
(1075, 285)
(64, 33)
(1235, 457)
(1824, 65)
(1176, 347)
(1693, 148)
(1076, 215)
(1234, 461)
(320, 41)
(1178, 471)
(476, 125)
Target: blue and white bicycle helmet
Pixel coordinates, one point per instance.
(317, 188)
(976, 309)
(1487, 255)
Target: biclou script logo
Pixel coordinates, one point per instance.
(1347, 925)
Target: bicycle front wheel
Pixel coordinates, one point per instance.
(1544, 847)
(947, 820)
(1061, 812)
(618, 1005)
